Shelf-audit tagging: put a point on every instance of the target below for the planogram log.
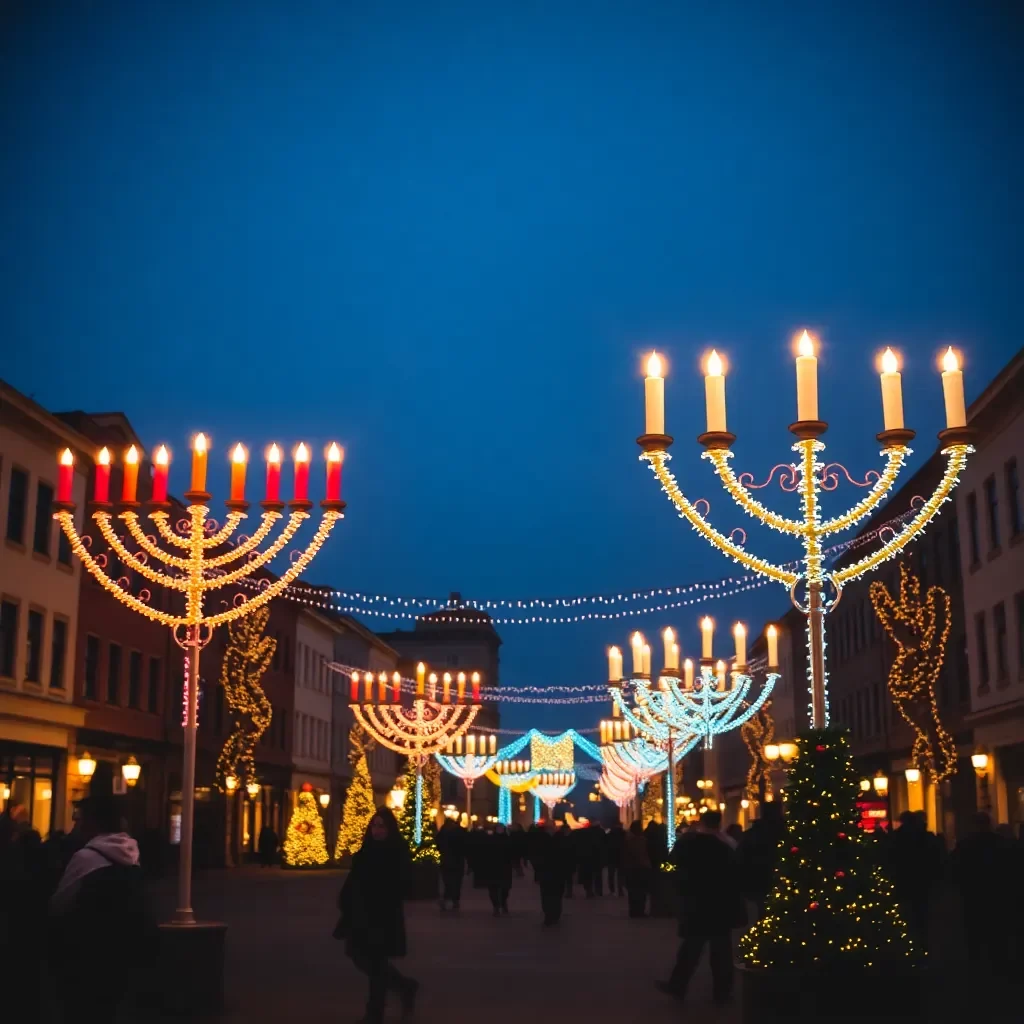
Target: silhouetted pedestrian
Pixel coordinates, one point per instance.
(613, 847)
(267, 846)
(913, 863)
(497, 867)
(636, 869)
(452, 841)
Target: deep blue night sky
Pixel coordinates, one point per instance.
(445, 235)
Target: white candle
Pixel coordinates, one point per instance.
(773, 647)
(654, 396)
(636, 641)
(714, 393)
(647, 659)
(707, 636)
(604, 733)
(494, 744)
(953, 390)
(471, 745)
(688, 674)
(892, 391)
(614, 665)
(671, 650)
(720, 672)
(739, 631)
(806, 379)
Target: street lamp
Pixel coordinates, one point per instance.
(231, 783)
(979, 760)
(772, 751)
(744, 803)
(131, 770)
(86, 765)
(325, 799)
(788, 751)
(913, 775)
(881, 783)
(865, 785)
(253, 789)
(397, 797)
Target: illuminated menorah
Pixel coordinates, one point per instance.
(511, 775)
(469, 758)
(550, 787)
(191, 565)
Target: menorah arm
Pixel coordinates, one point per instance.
(895, 459)
(956, 459)
(281, 584)
(720, 458)
(67, 524)
(295, 520)
(131, 520)
(247, 545)
(163, 526)
(102, 520)
(231, 523)
(657, 460)
(645, 726)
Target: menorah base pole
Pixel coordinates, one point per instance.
(188, 979)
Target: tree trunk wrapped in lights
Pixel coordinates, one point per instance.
(426, 847)
(359, 800)
(305, 844)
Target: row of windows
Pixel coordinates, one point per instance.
(44, 529)
(993, 516)
(313, 671)
(312, 737)
(999, 652)
(122, 680)
(35, 639)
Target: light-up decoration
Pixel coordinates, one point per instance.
(469, 758)
(758, 732)
(65, 475)
(552, 787)
(305, 844)
(86, 765)
(920, 629)
(131, 770)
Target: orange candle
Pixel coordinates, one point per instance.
(335, 457)
(161, 464)
(301, 473)
(239, 457)
(130, 482)
(446, 689)
(461, 681)
(65, 475)
(101, 492)
(199, 459)
(368, 686)
(421, 674)
(383, 687)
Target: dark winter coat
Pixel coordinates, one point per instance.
(497, 856)
(451, 843)
(636, 860)
(708, 876)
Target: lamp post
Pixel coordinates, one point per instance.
(130, 771)
(980, 761)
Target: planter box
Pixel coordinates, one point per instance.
(784, 996)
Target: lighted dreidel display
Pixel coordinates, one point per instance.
(469, 758)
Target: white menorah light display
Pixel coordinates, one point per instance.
(469, 758)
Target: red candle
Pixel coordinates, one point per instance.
(335, 456)
(130, 481)
(355, 688)
(396, 682)
(161, 464)
(102, 491)
(239, 458)
(65, 475)
(274, 473)
(475, 681)
(301, 473)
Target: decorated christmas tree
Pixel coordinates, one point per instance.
(359, 804)
(650, 809)
(304, 843)
(426, 849)
(831, 907)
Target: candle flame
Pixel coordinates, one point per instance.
(239, 454)
(614, 652)
(334, 453)
(950, 363)
(637, 639)
(163, 456)
(805, 346)
(199, 444)
(889, 361)
(104, 457)
(739, 629)
(396, 677)
(475, 677)
(707, 622)
(714, 367)
(67, 458)
(273, 454)
(132, 455)
(302, 453)
(432, 678)
(688, 664)
(720, 666)
(421, 667)
(654, 365)
(772, 631)
(668, 634)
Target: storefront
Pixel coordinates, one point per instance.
(28, 785)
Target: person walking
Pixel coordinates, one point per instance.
(497, 858)
(710, 906)
(613, 846)
(759, 853)
(914, 862)
(550, 855)
(372, 921)
(451, 844)
(267, 847)
(636, 869)
(518, 838)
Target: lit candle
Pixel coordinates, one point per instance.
(892, 391)
(239, 457)
(671, 650)
(773, 647)
(273, 473)
(301, 473)
(953, 390)
(714, 393)
(654, 395)
(130, 479)
(636, 641)
(617, 731)
(707, 636)
(432, 692)
(199, 458)
(421, 676)
(614, 665)
(647, 659)
(739, 632)
(806, 379)
(368, 685)
(335, 457)
(101, 492)
(461, 686)
(474, 682)
(161, 466)
(604, 733)
(354, 695)
(688, 674)
(396, 685)
(446, 688)
(471, 745)
(720, 672)
(493, 744)
(458, 744)
(382, 687)
(65, 475)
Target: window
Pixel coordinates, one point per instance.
(284, 730)
(58, 653)
(286, 655)
(17, 499)
(153, 694)
(134, 679)
(44, 519)
(999, 624)
(1013, 497)
(34, 651)
(972, 526)
(92, 667)
(982, 641)
(114, 674)
(63, 548)
(8, 637)
(992, 508)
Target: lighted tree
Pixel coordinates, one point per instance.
(359, 802)
(757, 732)
(831, 907)
(432, 784)
(246, 657)
(919, 628)
(305, 845)
(650, 809)
(427, 848)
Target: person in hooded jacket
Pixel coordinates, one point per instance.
(372, 916)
